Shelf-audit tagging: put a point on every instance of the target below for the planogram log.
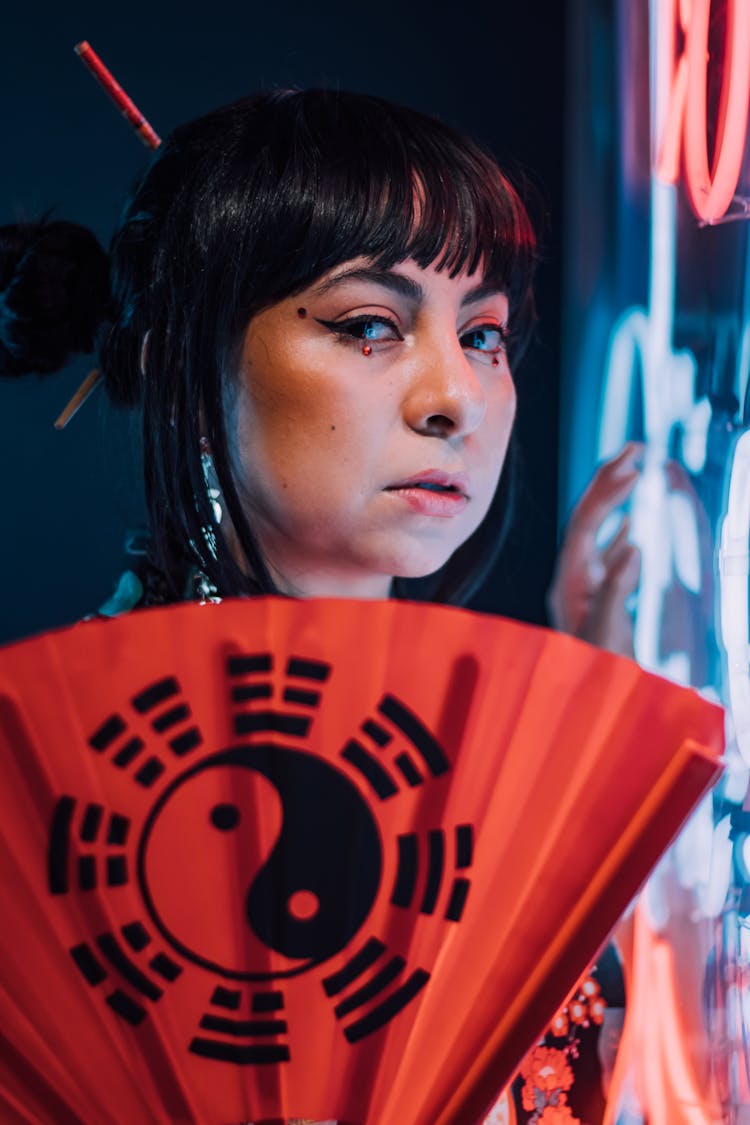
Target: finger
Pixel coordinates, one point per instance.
(631, 453)
(623, 572)
(609, 625)
(609, 487)
(616, 543)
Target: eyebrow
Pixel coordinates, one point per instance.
(405, 287)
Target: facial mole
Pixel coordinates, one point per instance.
(333, 427)
(301, 313)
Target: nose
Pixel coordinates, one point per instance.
(446, 397)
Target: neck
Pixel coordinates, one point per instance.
(308, 581)
(312, 584)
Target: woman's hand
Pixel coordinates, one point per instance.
(591, 585)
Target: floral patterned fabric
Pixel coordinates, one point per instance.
(562, 1081)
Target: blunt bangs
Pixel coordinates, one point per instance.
(302, 182)
(360, 177)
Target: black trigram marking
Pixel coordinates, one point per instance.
(244, 1042)
(314, 670)
(354, 967)
(380, 738)
(407, 872)
(241, 1054)
(464, 859)
(162, 702)
(377, 777)
(268, 1001)
(435, 864)
(389, 1007)
(226, 998)
(170, 717)
(272, 722)
(376, 733)
(94, 828)
(91, 823)
(254, 670)
(262, 1001)
(250, 665)
(138, 938)
(97, 962)
(366, 754)
(425, 743)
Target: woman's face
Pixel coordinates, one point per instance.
(370, 425)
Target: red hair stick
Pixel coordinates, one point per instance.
(126, 106)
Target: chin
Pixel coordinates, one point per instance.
(421, 566)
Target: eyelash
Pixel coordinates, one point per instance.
(348, 331)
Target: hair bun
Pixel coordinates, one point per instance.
(54, 294)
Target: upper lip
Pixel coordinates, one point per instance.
(457, 481)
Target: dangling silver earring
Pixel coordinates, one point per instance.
(214, 494)
(210, 478)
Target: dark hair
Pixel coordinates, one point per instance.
(54, 293)
(249, 205)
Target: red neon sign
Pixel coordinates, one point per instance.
(683, 126)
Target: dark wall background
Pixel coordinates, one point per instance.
(494, 70)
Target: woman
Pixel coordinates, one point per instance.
(318, 300)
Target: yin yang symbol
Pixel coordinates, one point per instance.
(260, 862)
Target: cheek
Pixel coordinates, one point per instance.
(498, 425)
(302, 442)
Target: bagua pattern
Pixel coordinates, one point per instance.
(263, 1024)
(245, 1025)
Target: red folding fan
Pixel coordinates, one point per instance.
(333, 860)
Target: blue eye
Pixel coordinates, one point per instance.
(374, 330)
(368, 328)
(487, 338)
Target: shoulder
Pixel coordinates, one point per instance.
(129, 593)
